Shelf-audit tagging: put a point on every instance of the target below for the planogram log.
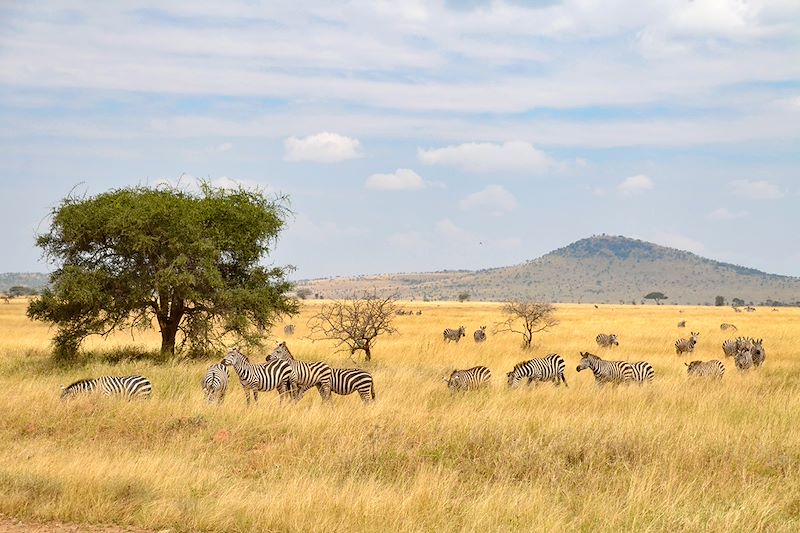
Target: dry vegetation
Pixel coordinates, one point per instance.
(677, 455)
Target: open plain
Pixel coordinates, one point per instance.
(676, 455)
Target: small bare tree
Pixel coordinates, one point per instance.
(526, 318)
(356, 322)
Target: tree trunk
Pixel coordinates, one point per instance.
(367, 353)
(169, 331)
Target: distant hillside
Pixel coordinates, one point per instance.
(599, 269)
(34, 280)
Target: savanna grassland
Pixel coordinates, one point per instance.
(677, 455)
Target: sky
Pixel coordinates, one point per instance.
(417, 136)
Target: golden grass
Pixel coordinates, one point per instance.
(679, 455)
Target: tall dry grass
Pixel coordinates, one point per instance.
(679, 455)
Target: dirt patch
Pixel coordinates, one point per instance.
(12, 525)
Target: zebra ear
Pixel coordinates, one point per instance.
(445, 379)
(687, 364)
(63, 387)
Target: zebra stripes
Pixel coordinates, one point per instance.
(607, 341)
(455, 335)
(606, 371)
(746, 351)
(683, 346)
(643, 372)
(346, 381)
(706, 369)
(129, 387)
(480, 334)
(259, 378)
(548, 368)
(470, 379)
(215, 383)
(304, 375)
(725, 326)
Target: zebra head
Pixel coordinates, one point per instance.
(233, 358)
(757, 352)
(690, 367)
(612, 339)
(693, 337)
(454, 381)
(588, 360)
(513, 379)
(280, 353)
(462, 332)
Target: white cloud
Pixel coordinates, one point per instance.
(635, 185)
(681, 242)
(323, 147)
(723, 213)
(756, 190)
(493, 198)
(403, 179)
(190, 183)
(512, 156)
(450, 231)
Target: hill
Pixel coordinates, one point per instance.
(33, 280)
(599, 269)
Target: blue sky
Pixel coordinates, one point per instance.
(415, 136)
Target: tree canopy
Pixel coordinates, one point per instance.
(188, 260)
(657, 296)
(527, 318)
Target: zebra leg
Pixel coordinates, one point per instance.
(563, 380)
(255, 396)
(246, 395)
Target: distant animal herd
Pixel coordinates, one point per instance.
(291, 378)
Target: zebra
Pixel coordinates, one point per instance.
(288, 330)
(450, 334)
(725, 326)
(346, 381)
(215, 383)
(548, 368)
(682, 324)
(758, 353)
(607, 341)
(304, 375)
(606, 371)
(731, 347)
(706, 369)
(470, 379)
(743, 359)
(683, 346)
(643, 372)
(129, 387)
(480, 334)
(259, 378)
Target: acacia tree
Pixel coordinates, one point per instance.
(526, 318)
(188, 260)
(356, 322)
(657, 296)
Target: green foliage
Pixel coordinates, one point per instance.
(463, 296)
(655, 296)
(189, 261)
(21, 290)
(719, 301)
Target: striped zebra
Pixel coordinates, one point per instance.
(215, 383)
(480, 334)
(470, 379)
(730, 347)
(607, 341)
(304, 375)
(259, 378)
(606, 371)
(288, 330)
(725, 326)
(643, 372)
(758, 353)
(683, 346)
(129, 387)
(451, 334)
(346, 381)
(743, 359)
(548, 368)
(706, 369)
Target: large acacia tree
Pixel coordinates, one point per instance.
(191, 261)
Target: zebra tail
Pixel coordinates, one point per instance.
(372, 390)
(564, 380)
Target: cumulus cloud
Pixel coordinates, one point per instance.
(512, 156)
(323, 147)
(756, 190)
(493, 198)
(723, 213)
(635, 185)
(403, 179)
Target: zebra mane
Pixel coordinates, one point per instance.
(78, 383)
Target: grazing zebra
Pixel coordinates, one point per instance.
(304, 375)
(683, 346)
(548, 368)
(706, 369)
(288, 330)
(480, 334)
(259, 378)
(346, 381)
(470, 379)
(643, 372)
(682, 324)
(737, 309)
(129, 387)
(215, 383)
(606, 371)
(450, 334)
(607, 341)
(725, 326)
